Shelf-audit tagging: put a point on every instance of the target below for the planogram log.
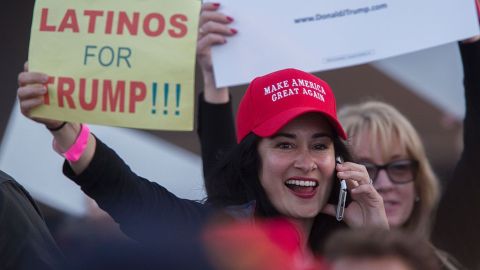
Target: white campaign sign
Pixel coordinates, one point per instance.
(314, 35)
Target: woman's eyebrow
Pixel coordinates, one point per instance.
(319, 135)
(281, 134)
(397, 156)
(293, 136)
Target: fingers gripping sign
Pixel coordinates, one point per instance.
(213, 30)
(31, 93)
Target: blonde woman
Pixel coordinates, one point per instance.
(383, 140)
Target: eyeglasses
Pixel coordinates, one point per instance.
(399, 171)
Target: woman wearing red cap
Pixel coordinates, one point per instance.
(382, 139)
(286, 158)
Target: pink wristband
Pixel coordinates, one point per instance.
(78, 147)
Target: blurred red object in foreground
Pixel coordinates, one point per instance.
(263, 245)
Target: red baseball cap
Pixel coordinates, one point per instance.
(273, 100)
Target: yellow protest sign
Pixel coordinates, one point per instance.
(117, 62)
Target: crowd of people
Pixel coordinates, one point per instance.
(272, 181)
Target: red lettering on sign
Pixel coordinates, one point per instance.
(43, 22)
(65, 89)
(69, 22)
(159, 24)
(131, 25)
(109, 23)
(92, 18)
(88, 106)
(113, 98)
(178, 22)
(117, 22)
(136, 96)
(113, 94)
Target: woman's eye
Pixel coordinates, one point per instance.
(284, 145)
(320, 146)
(400, 167)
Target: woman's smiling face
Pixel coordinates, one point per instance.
(298, 166)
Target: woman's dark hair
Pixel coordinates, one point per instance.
(235, 181)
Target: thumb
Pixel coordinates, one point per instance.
(330, 210)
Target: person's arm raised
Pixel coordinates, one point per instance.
(213, 30)
(215, 119)
(31, 91)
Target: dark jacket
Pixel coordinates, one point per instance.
(25, 241)
(216, 130)
(166, 228)
(456, 228)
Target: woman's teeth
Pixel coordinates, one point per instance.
(301, 183)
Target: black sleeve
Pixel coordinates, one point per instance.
(142, 208)
(216, 129)
(456, 229)
(25, 241)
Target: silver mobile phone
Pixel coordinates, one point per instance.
(342, 195)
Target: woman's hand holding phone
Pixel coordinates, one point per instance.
(366, 208)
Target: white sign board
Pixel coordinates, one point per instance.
(316, 35)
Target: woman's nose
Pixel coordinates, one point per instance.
(305, 161)
(383, 180)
